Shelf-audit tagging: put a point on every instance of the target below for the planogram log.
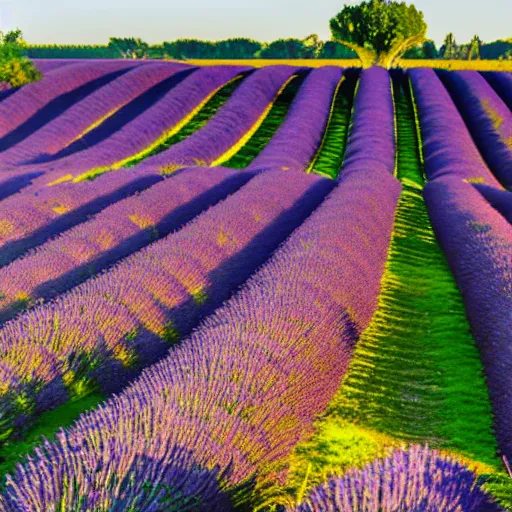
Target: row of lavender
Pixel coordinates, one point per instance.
(476, 238)
(40, 211)
(174, 280)
(488, 119)
(232, 401)
(354, 139)
(316, 314)
(61, 131)
(418, 479)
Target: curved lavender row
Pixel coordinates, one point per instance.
(298, 138)
(233, 400)
(139, 133)
(477, 242)
(500, 200)
(47, 65)
(234, 120)
(416, 480)
(447, 144)
(501, 82)
(38, 213)
(488, 118)
(372, 134)
(18, 108)
(117, 231)
(111, 325)
(67, 127)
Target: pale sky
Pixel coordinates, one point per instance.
(94, 21)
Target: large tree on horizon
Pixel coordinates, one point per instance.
(379, 31)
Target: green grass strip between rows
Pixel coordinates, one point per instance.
(195, 124)
(274, 119)
(330, 156)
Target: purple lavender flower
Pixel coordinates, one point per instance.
(298, 138)
(501, 82)
(488, 119)
(416, 480)
(64, 129)
(372, 136)
(237, 396)
(447, 144)
(18, 108)
(477, 242)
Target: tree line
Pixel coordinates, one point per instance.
(245, 48)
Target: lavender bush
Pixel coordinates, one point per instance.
(416, 480)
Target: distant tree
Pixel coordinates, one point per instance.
(15, 69)
(190, 49)
(311, 46)
(474, 48)
(129, 47)
(335, 50)
(430, 50)
(449, 48)
(496, 49)
(286, 49)
(237, 48)
(379, 31)
(427, 50)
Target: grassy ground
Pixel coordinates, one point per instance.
(329, 157)
(478, 65)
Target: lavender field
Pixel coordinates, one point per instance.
(279, 288)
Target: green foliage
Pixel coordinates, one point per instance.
(15, 69)
(72, 51)
(129, 47)
(427, 50)
(335, 50)
(190, 49)
(500, 49)
(474, 48)
(237, 48)
(379, 31)
(449, 48)
(288, 49)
